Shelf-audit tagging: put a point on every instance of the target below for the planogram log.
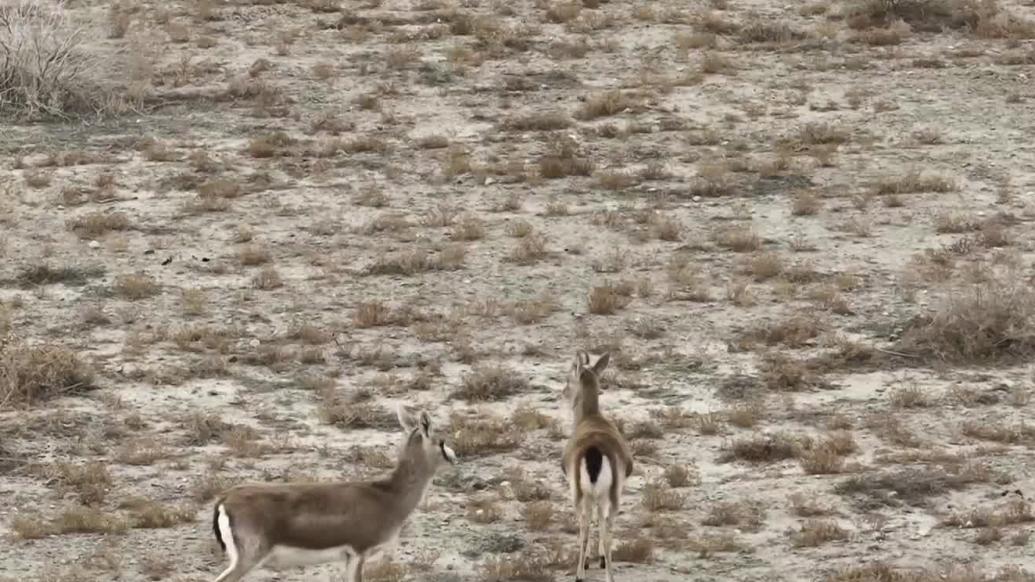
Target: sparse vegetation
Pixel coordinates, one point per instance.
(808, 257)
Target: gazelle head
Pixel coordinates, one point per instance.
(580, 377)
(423, 445)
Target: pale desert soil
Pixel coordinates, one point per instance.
(270, 307)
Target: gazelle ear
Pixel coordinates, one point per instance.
(602, 363)
(406, 418)
(581, 359)
(425, 424)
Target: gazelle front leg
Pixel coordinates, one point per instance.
(355, 568)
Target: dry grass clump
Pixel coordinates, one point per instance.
(744, 515)
(609, 298)
(606, 104)
(988, 322)
(35, 373)
(352, 413)
(485, 435)
(148, 514)
(90, 481)
(763, 448)
(135, 286)
(1011, 513)
(982, 18)
(793, 332)
(659, 497)
(44, 274)
(490, 382)
(96, 224)
(738, 239)
(912, 486)
(913, 182)
(538, 121)
(816, 532)
(525, 567)
(884, 572)
(639, 550)
(999, 432)
(80, 519)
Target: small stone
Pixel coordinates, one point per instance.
(94, 244)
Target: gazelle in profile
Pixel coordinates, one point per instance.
(596, 460)
(297, 524)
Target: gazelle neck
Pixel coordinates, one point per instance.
(589, 401)
(408, 482)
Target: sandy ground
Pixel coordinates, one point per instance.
(295, 168)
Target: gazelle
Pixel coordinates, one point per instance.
(596, 459)
(297, 524)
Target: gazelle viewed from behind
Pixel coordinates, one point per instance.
(297, 524)
(596, 460)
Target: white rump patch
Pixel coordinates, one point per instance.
(227, 535)
(600, 490)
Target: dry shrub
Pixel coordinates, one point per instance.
(993, 321)
(815, 532)
(488, 382)
(45, 67)
(639, 550)
(538, 121)
(912, 182)
(744, 515)
(95, 224)
(34, 373)
(135, 286)
(607, 299)
(769, 31)
(527, 568)
(539, 515)
(982, 18)
(486, 435)
(793, 332)
(345, 412)
(659, 497)
(605, 104)
(148, 514)
(764, 448)
(883, 572)
(1011, 513)
(75, 520)
(912, 486)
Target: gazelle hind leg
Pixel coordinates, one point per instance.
(583, 509)
(243, 553)
(603, 509)
(594, 511)
(606, 521)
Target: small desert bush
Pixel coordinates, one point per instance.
(32, 373)
(982, 18)
(489, 382)
(763, 448)
(135, 286)
(984, 323)
(639, 550)
(474, 437)
(815, 532)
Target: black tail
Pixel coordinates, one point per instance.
(215, 527)
(594, 461)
